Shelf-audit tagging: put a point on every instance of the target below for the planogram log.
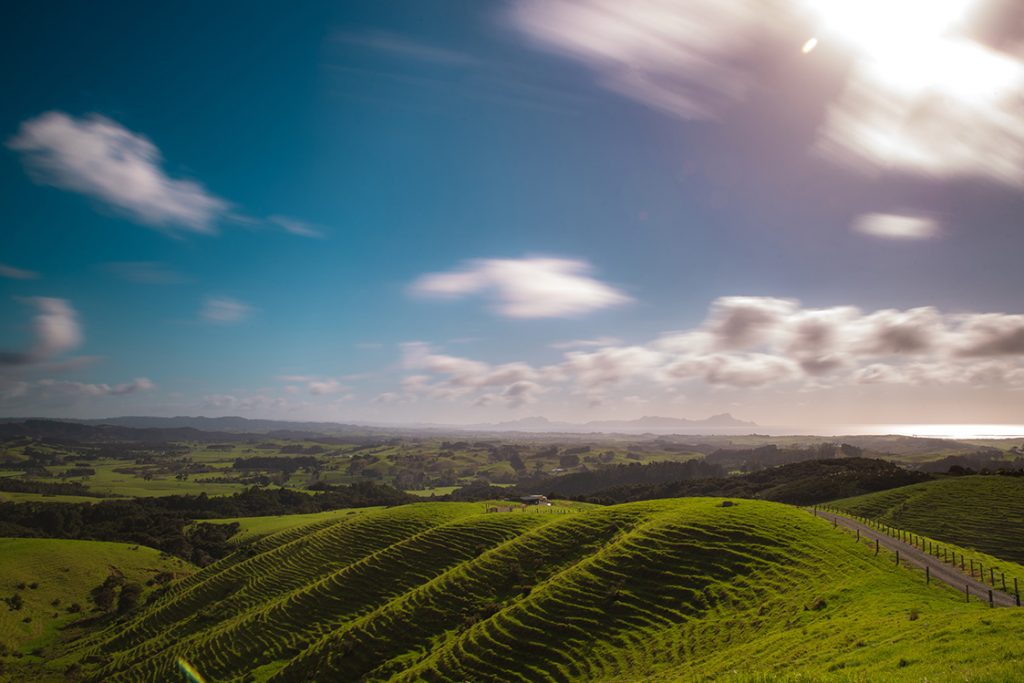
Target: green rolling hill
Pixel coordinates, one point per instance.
(669, 590)
(985, 513)
(51, 576)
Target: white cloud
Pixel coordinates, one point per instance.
(953, 112)
(314, 384)
(747, 343)
(525, 288)
(17, 273)
(595, 370)
(297, 227)
(896, 226)
(56, 330)
(100, 158)
(224, 310)
(690, 59)
(920, 96)
(514, 384)
(327, 386)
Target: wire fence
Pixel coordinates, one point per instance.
(993, 576)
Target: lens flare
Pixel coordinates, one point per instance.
(190, 673)
(809, 45)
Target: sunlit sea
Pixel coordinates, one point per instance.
(949, 431)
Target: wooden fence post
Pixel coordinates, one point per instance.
(991, 603)
(972, 565)
(967, 591)
(927, 575)
(858, 535)
(992, 575)
(897, 557)
(1003, 577)
(1016, 592)
(876, 549)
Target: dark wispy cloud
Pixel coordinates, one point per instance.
(223, 310)
(297, 227)
(402, 47)
(62, 393)
(13, 273)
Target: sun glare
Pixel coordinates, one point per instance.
(886, 28)
(809, 45)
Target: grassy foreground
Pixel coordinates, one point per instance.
(671, 590)
(985, 513)
(50, 576)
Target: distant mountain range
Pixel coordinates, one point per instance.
(716, 424)
(647, 424)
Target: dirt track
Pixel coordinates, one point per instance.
(915, 557)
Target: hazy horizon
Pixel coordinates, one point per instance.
(475, 214)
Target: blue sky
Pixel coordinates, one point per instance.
(465, 212)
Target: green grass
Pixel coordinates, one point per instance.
(670, 590)
(11, 497)
(252, 528)
(983, 513)
(106, 480)
(66, 571)
(436, 491)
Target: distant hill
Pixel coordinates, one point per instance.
(981, 512)
(678, 590)
(643, 425)
(226, 424)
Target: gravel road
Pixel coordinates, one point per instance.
(916, 557)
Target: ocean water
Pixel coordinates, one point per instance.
(948, 431)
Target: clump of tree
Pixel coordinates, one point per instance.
(45, 488)
(770, 455)
(633, 474)
(166, 523)
(803, 483)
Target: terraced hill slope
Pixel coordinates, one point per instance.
(661, 590)
(985, 513)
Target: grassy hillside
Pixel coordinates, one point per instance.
(252, 528)
(985, 513)
(50, 576)
(662, 590)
